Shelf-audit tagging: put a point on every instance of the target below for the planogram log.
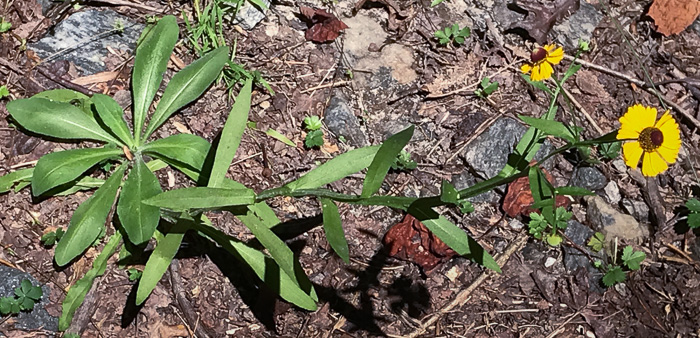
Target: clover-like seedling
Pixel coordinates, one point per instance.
(26, 295)
(613, 276)
(314, 137)
(404, 162)
(134, 274)
(632, 258)
(452, 34)
(4, 92)
(693, 206)
(596, 242)
(50, 238)
(610, 150)
(487, 87)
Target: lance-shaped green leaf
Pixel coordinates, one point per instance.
(187, 85)
(264, 267)
(88, 220)
(382, 161)
(184, 148)
(84, 183)
(551, 127)
(56, 119)
(76, 293)
(8, 180)
(61, 95)
(160, 259)
(150, 63)
(61, 167)
(573, 191)
(453, 236)
(335, 169)
(112, 115)
(139, 219)
(201, 198)
(448, 193)
(231, 136)
(333, 227)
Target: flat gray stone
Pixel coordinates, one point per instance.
(580, 25)
(342, 121)
(489, 153)
(248, 15)
(78, 36)
(38, 318)
(589, 178)
(638, 209)
(612, 223)
(573, 258)
(612, 193)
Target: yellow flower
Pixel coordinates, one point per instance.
(543, 58)
(656, 142)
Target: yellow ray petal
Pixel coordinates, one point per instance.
(627, 134)
(542, 71)
(637, 118)
(653, 164)
(555, 56)
(668, 154)
(669, 128)
(526, 68)
(632, 152)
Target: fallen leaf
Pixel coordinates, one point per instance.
(519, 197)
(324, 26)
(673, 16)
(540, 18)
(410, 240)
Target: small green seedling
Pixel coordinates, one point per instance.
(4, 25)
(539, 225)
(403, 162)
(314, 136)
(597, 242)
(436, 2)
(134, 274)
(693, 206)
(584, 45)
(26, 295)
(487, 87)
(50, 238)
(610, 150)
(4, 92)
(453, 34)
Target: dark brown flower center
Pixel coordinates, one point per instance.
(538, 55)
(651, 139)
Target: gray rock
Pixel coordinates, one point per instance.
(341, 121)
(489, 152)
(76, 39)
(612, 193)
(248, 15)
(612, 223)
(589, 178)
(638, 209)
(38, 318)
(573, 258)
(580, 25)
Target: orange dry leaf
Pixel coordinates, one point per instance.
(673, 16)
(519, 197)
(410, 240)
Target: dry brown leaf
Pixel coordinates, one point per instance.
(519, 197)
(673, 16)
(541, 18)
(324, 26)
(410, 240)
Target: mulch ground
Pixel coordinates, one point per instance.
(377, 295)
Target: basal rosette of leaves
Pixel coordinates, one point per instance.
(71, 116)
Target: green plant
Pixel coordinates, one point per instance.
(539, 224)
(610, 150)
(614, 273)
(50, 238)
(134, 274)
(4, 25)
(436, 2)
(487, 87)
(205, 33)
(693, 206)
(404, 162)
(452, 34)
(597, 242)
(314, 135)
(68, 115)
(26, 295)
(4, 92)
